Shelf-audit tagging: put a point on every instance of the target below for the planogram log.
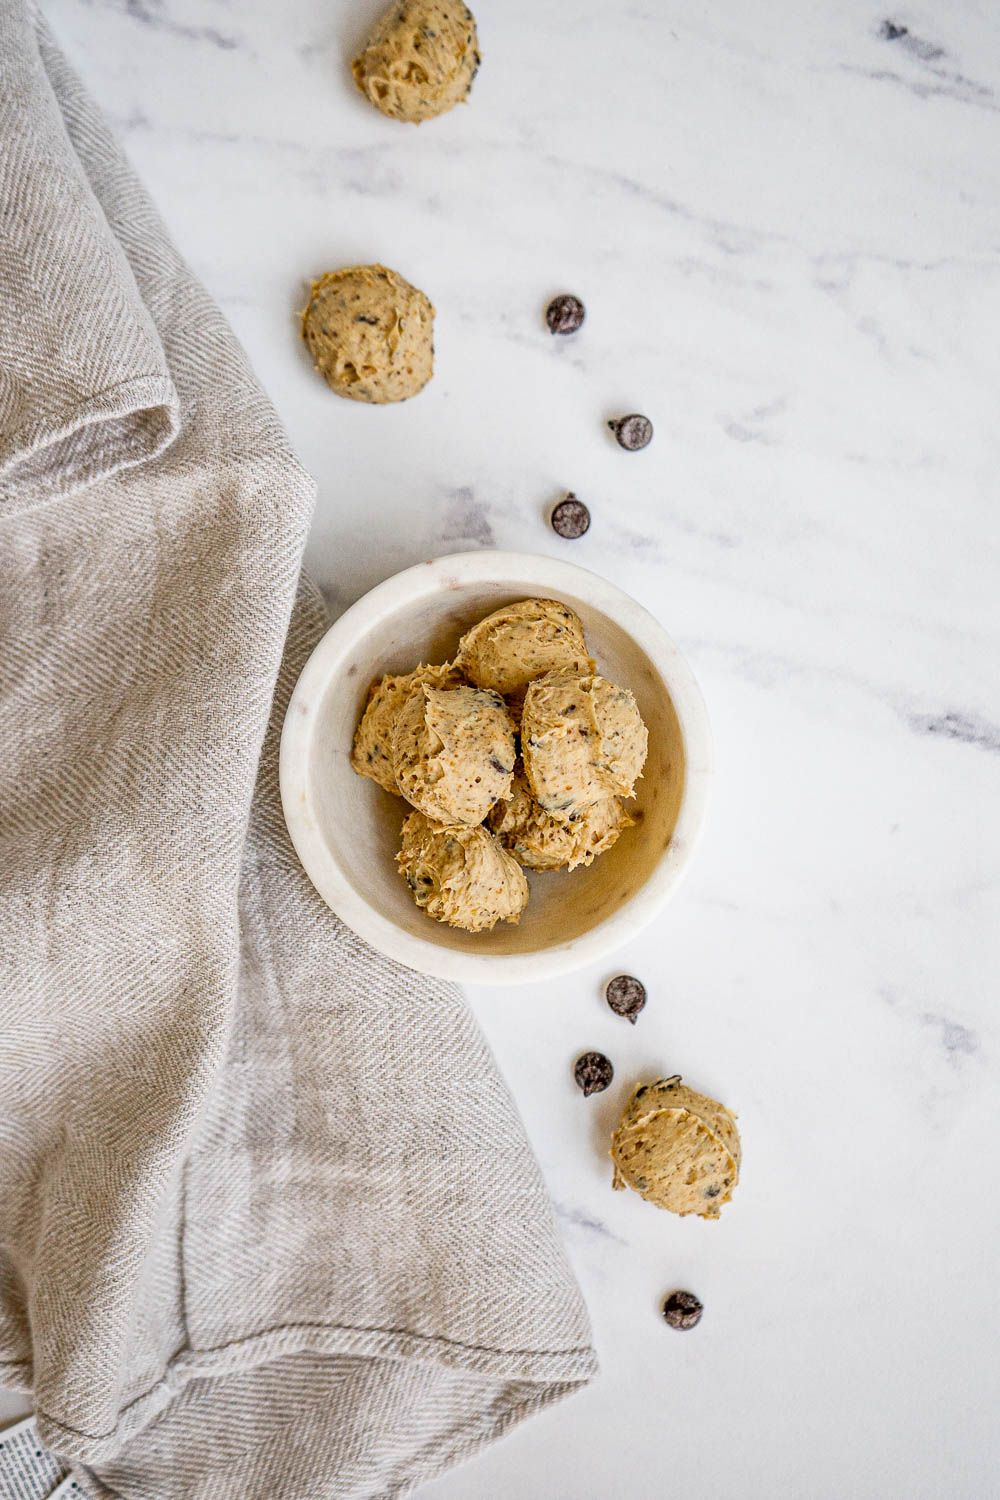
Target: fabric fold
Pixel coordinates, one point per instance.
(269, 1225)
(84, 384)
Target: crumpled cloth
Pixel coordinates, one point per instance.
(269, 1225)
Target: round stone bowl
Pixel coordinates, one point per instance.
(346, 830)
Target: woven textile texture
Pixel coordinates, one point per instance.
(269, 1226)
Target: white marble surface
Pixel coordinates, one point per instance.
(786, 227)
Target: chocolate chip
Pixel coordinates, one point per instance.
(570, 518)
(565, 314)
(632, 432)
(626, 995)
(682, 1310)
(593, 1072)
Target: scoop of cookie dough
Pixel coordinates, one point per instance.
(370, 334)
(678, 1149)
(420, 60)
(521, 641)
(460, 874)
(453, 752)
(372, 751)
(540, 842)
(582, 739)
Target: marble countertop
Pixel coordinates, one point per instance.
(785, 223)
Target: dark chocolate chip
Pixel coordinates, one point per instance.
(565, 314)
(632, 432)
(890, 32)
(626, 995)
(593, 1072)
(570, 518)
(682, 1310)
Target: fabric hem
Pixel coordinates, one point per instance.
(140, 396)
(560, 1366)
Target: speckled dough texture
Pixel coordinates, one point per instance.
(450, 749)
(453, 752)
(678, 1149)
(371, 754)
(540, 842)
(420, 59)
(515, 644)
(460, 874)
(370, 334)
(582, 739)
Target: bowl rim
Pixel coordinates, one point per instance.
(547, 577)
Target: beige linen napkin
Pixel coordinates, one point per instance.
(269, 1226)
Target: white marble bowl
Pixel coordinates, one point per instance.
(346, 830)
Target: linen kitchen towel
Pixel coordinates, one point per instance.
(269, 1226)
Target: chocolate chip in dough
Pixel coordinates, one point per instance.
(632, 432)
(593, 1072)
(570, 518)
(565, 314)
(682, 1310)
(626, 995)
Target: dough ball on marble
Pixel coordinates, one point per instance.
(540, 842)
(453, 752)
(582, 739)
(370, 334)
(521, 641)
(460, 874)
(677, 1149)
(420, 60)
(371, 754)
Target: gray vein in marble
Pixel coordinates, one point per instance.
(752, 428)
(466, 519)
(957, 1040)
(891, 31)
(580, 1219)
(948, 84)
(967, 729)
(151, 13)
(769, 670)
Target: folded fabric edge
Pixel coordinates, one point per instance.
(562, 1367)
(511, 1406)
(115, 429)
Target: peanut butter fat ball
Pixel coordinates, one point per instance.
(420, 60)
(540, 842)
(677, 1149)
(370, 334)
(583, 741)
(371, 755)
(519, 642)
(460, 875)
(453, 752)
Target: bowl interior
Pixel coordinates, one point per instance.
(360, 824)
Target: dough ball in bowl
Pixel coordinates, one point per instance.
(460, 874)
(453, 752)
(540, 842)
(420, 60)
(370, 334)
(371, 753)
(583, 739)
(515, 644)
